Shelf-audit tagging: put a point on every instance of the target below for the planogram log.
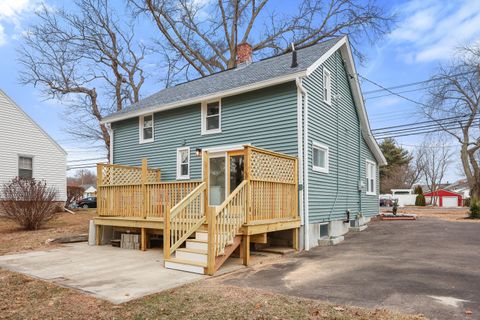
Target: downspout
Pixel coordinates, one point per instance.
(334, 100)
(360, 189)
(300, 94)
(305, 165)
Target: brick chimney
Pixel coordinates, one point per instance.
(244, 53)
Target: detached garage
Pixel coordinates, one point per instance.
(445, 198)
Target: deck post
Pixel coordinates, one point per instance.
(99, 188)
(249, 186)
(144, 187)
(166, 234)
(205, 179)
(211, 241)
(143, 239)
(246, 249)
(98, 234)
(295, 203)
(295, 239)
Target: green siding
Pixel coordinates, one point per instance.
(265, 118)
(337, 126)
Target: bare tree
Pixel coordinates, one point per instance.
(88, 58)
(202, 37)
(455, 94)
(83, 177)
(435, 158)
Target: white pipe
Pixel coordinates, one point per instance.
(305, 165)
(300, 93)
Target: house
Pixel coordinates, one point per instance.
(461, 186)
(282, 144)
(444, 198)
(28, 151)
(90, 191)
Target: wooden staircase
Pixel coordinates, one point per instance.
(206, 251)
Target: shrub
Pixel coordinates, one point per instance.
(420, 200)
(474, 212)
(29, 202)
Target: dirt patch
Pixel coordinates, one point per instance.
(449, 214)
(14, 239)
(22, 297)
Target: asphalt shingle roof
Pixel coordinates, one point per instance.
(262, 70)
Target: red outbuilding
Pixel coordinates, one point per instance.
(445, 198)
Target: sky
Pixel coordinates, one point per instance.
(427, 34)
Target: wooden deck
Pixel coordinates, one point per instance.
(265, 201)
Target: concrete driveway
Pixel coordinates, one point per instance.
(114, 274)
(428, 266)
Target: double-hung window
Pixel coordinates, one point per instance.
(25, 167)
(146, 128)
(211, 117)
(371, 177)
(183, 163)
(320, 157)
(327, 86)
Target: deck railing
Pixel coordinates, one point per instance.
(124, 191)
(273, 192)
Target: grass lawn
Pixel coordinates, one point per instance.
(449, 214)
(14, 239)
(22, 297)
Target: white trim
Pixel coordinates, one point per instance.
(367, 164)
(326, 55)
(212, 96)
(300, 94)
(179, 159)
(141, 122)
(231, 147)
(203, 113)
(305, 171)
(327, 98)
(33, 122)
(111, 133)
(318, 145)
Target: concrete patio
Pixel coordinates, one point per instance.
(114, 274)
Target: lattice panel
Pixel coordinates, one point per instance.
(122, 175)
(268, 167)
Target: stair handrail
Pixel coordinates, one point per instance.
(183, 220)
(223, 232)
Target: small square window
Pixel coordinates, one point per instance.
(211, 117)
(25, 167)
(183, 163)
(146, 128)
(320, 157)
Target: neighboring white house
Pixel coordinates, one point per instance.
(405, 197)
(90, 192)
(26, 150)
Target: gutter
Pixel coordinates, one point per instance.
(305, 164)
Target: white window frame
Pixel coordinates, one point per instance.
(141, 123)
(179, 163)
(204, 117)
(18, 163)
(372, 165)
(327, 85)
(318, 145)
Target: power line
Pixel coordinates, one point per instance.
(392, 92)
(91, 159)
(416, 123)
(417, 83)
(417, 132)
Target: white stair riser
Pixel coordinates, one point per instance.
(201, 236)
(197, 245)
(192, 256)
(184, 267)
